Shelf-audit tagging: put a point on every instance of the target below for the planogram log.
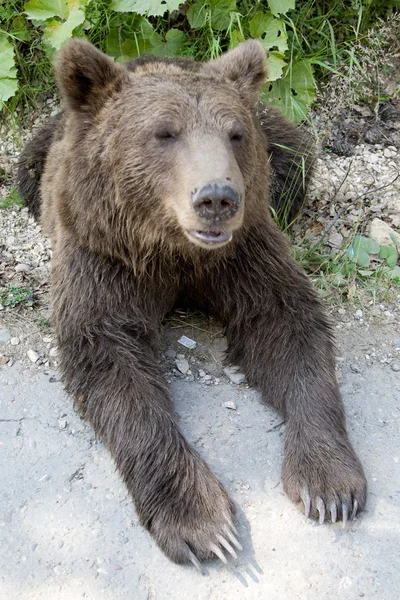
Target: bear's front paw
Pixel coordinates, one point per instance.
(196, 523)
(327, 477)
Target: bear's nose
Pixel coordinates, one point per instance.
(217, 201)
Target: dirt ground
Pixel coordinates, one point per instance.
(69, 530)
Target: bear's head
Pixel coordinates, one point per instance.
(179, 141)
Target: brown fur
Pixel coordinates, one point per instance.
(132, 146)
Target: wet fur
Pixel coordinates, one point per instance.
(117, 270)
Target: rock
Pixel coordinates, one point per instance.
(387, 153)
(14, 341)
(230, 404)
(358, 315)
(335, 239)
(234, 375)
(22, 268)
(187, 342)
(395, 367)
(32, 355)
(41, 274)
(182, 365)
(381, 232)
(170, 353)
(53, 351)
(5, 336)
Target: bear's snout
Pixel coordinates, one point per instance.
(216, 201)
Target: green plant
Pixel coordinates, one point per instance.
(300, 37)
(12, 296)
(13, 199)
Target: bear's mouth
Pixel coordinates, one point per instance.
(210, 237)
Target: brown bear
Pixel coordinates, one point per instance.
(155, 185)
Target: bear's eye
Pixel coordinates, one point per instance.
(236, 136)
(166, 134)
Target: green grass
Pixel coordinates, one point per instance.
(11, 200)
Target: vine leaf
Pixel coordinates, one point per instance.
(8, 72)
(150, 8)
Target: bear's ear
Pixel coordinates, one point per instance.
(85, 75)
(245, 65)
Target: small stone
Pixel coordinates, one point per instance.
(382, 233)
(62, 424)
(5, 336)
(53, 351)
(387, 153)
(358, 314)
(182, 365)
(22, 268)
(4, 360)
(32, 355)
(14, 341)
(187, 342)
(234, 375)
(335, 239)
(170, 353)
(47, 340)
(395, 367)
(355, 368)
(230, 404)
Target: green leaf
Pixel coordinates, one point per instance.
(172, 46)
(197, 15)
(362, 259)
(221, 13)
(365, 244)
(56, 33)
(281, 7)
(389, 254)
(20, 30)
(273, 34)
(150, 8)
(132, 48)
(259, 24)
(294, 93)
(366, 272)
(46, 9)
(276, 64)
(395, 274)
(8, 72)
(236, 36)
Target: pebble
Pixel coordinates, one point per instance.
(53, 351)
(5, 336)
(32, 355)
(170, 353)
(234, 375)
(14, 341)
(230, 404)
(358, 314)
(22, 268)
(395, 367)
(182, 365)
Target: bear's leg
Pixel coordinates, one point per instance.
(109, 359)
(279, 336)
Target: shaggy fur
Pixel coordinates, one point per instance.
(134, 144)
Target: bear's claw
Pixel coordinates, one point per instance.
(333, 508)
